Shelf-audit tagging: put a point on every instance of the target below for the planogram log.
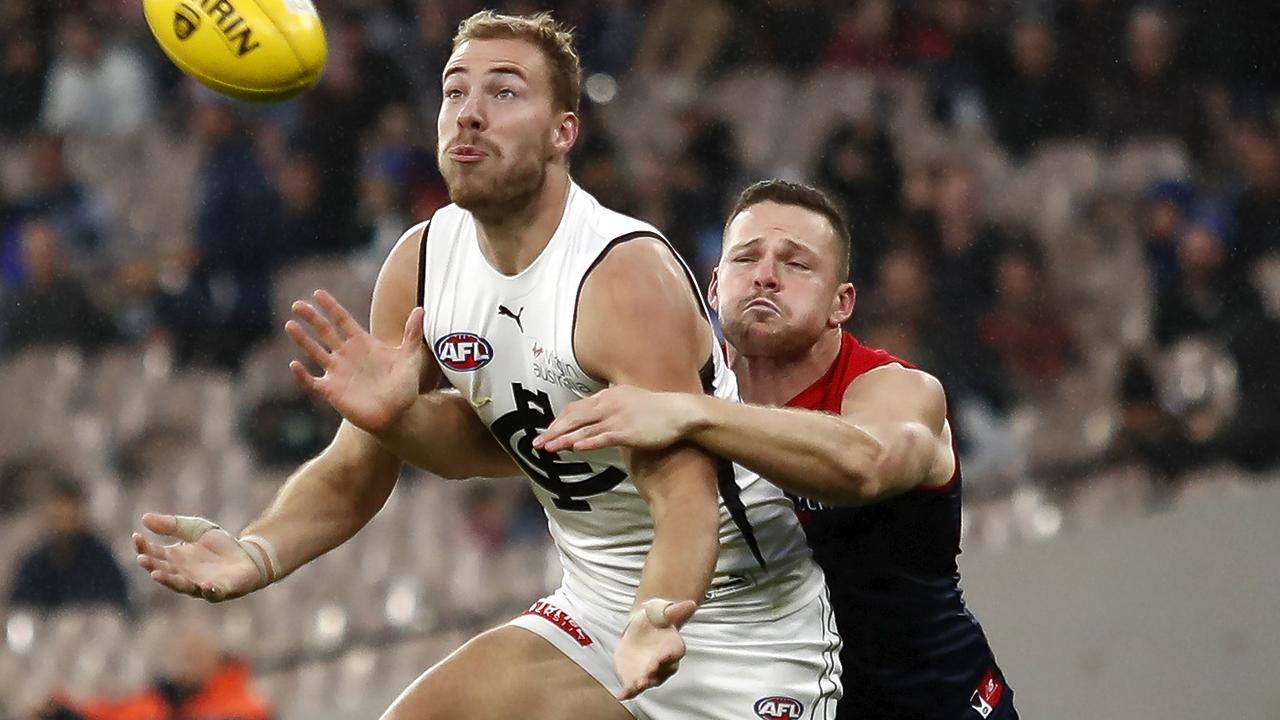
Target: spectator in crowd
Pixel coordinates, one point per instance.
(69, 204)
(700, 181)
(858, 168)
(225, 306)
(1026, 329)
(425, 53)
(963, 247)
(599, 168)
(968, 244)
(682, 39)
(301, 229)
(607, 35)
(398, 153)
(1039, 101)
(200, 684)
(359, 82)
(71, 565)
(865, 36)
(947, 41)
(1207, 303)
(900, 316)
(95, 90)
(400, 184)
(1203, 299)
(1166, 205)
(1151, 98)
(1255, 143)
(50, 306)
(22, 66)
(1148, 433)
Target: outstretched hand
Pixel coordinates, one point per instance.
(369, 382)
(650, 652)
(206, 562)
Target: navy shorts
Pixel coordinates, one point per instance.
(991, 699)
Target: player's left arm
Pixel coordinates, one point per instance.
(639, 324)
(892, 434)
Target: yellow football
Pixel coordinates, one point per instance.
(263, 50)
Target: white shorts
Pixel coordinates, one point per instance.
(780, 670)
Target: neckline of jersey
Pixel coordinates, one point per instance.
(529, 271)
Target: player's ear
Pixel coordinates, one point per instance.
(842, 305)
(713, 290)
(565, 134)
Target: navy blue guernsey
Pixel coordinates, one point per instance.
(912, 650)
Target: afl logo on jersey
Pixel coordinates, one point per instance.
(778, 707)
(463, 352)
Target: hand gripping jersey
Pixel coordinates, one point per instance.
(506, 343)
(911, 647)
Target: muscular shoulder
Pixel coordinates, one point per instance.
(894, 392)
(638, 315)
(395, 292)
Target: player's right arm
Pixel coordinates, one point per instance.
(335, 494)
(639, 324)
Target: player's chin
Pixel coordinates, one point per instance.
(751, 337)
(470, 193)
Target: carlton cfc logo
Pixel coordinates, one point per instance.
(778, 707)
(464, 352)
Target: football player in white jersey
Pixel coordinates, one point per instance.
(646, 538)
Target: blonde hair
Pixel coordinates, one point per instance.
(553, 39)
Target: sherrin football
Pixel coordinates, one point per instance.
(262, 50)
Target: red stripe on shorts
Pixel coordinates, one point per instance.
(561, 620)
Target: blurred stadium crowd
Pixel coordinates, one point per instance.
(1068, 210)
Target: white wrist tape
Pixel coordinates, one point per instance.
(263, 554)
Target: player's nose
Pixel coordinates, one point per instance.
(471, 115)
(765, 275)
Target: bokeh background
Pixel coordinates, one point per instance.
(1068, 210)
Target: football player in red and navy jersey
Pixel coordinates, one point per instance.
(859, 438)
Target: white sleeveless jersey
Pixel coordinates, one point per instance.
(506, 343)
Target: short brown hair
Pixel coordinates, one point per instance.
(553, 39)
(785, 192)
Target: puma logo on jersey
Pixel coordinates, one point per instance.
(504, 311)
(463, 351)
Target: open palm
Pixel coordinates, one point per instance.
(213, 566)
(369, 382)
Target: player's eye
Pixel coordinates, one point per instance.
(743, 259)
(506, 93)
(796, 264)
(452, 93)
